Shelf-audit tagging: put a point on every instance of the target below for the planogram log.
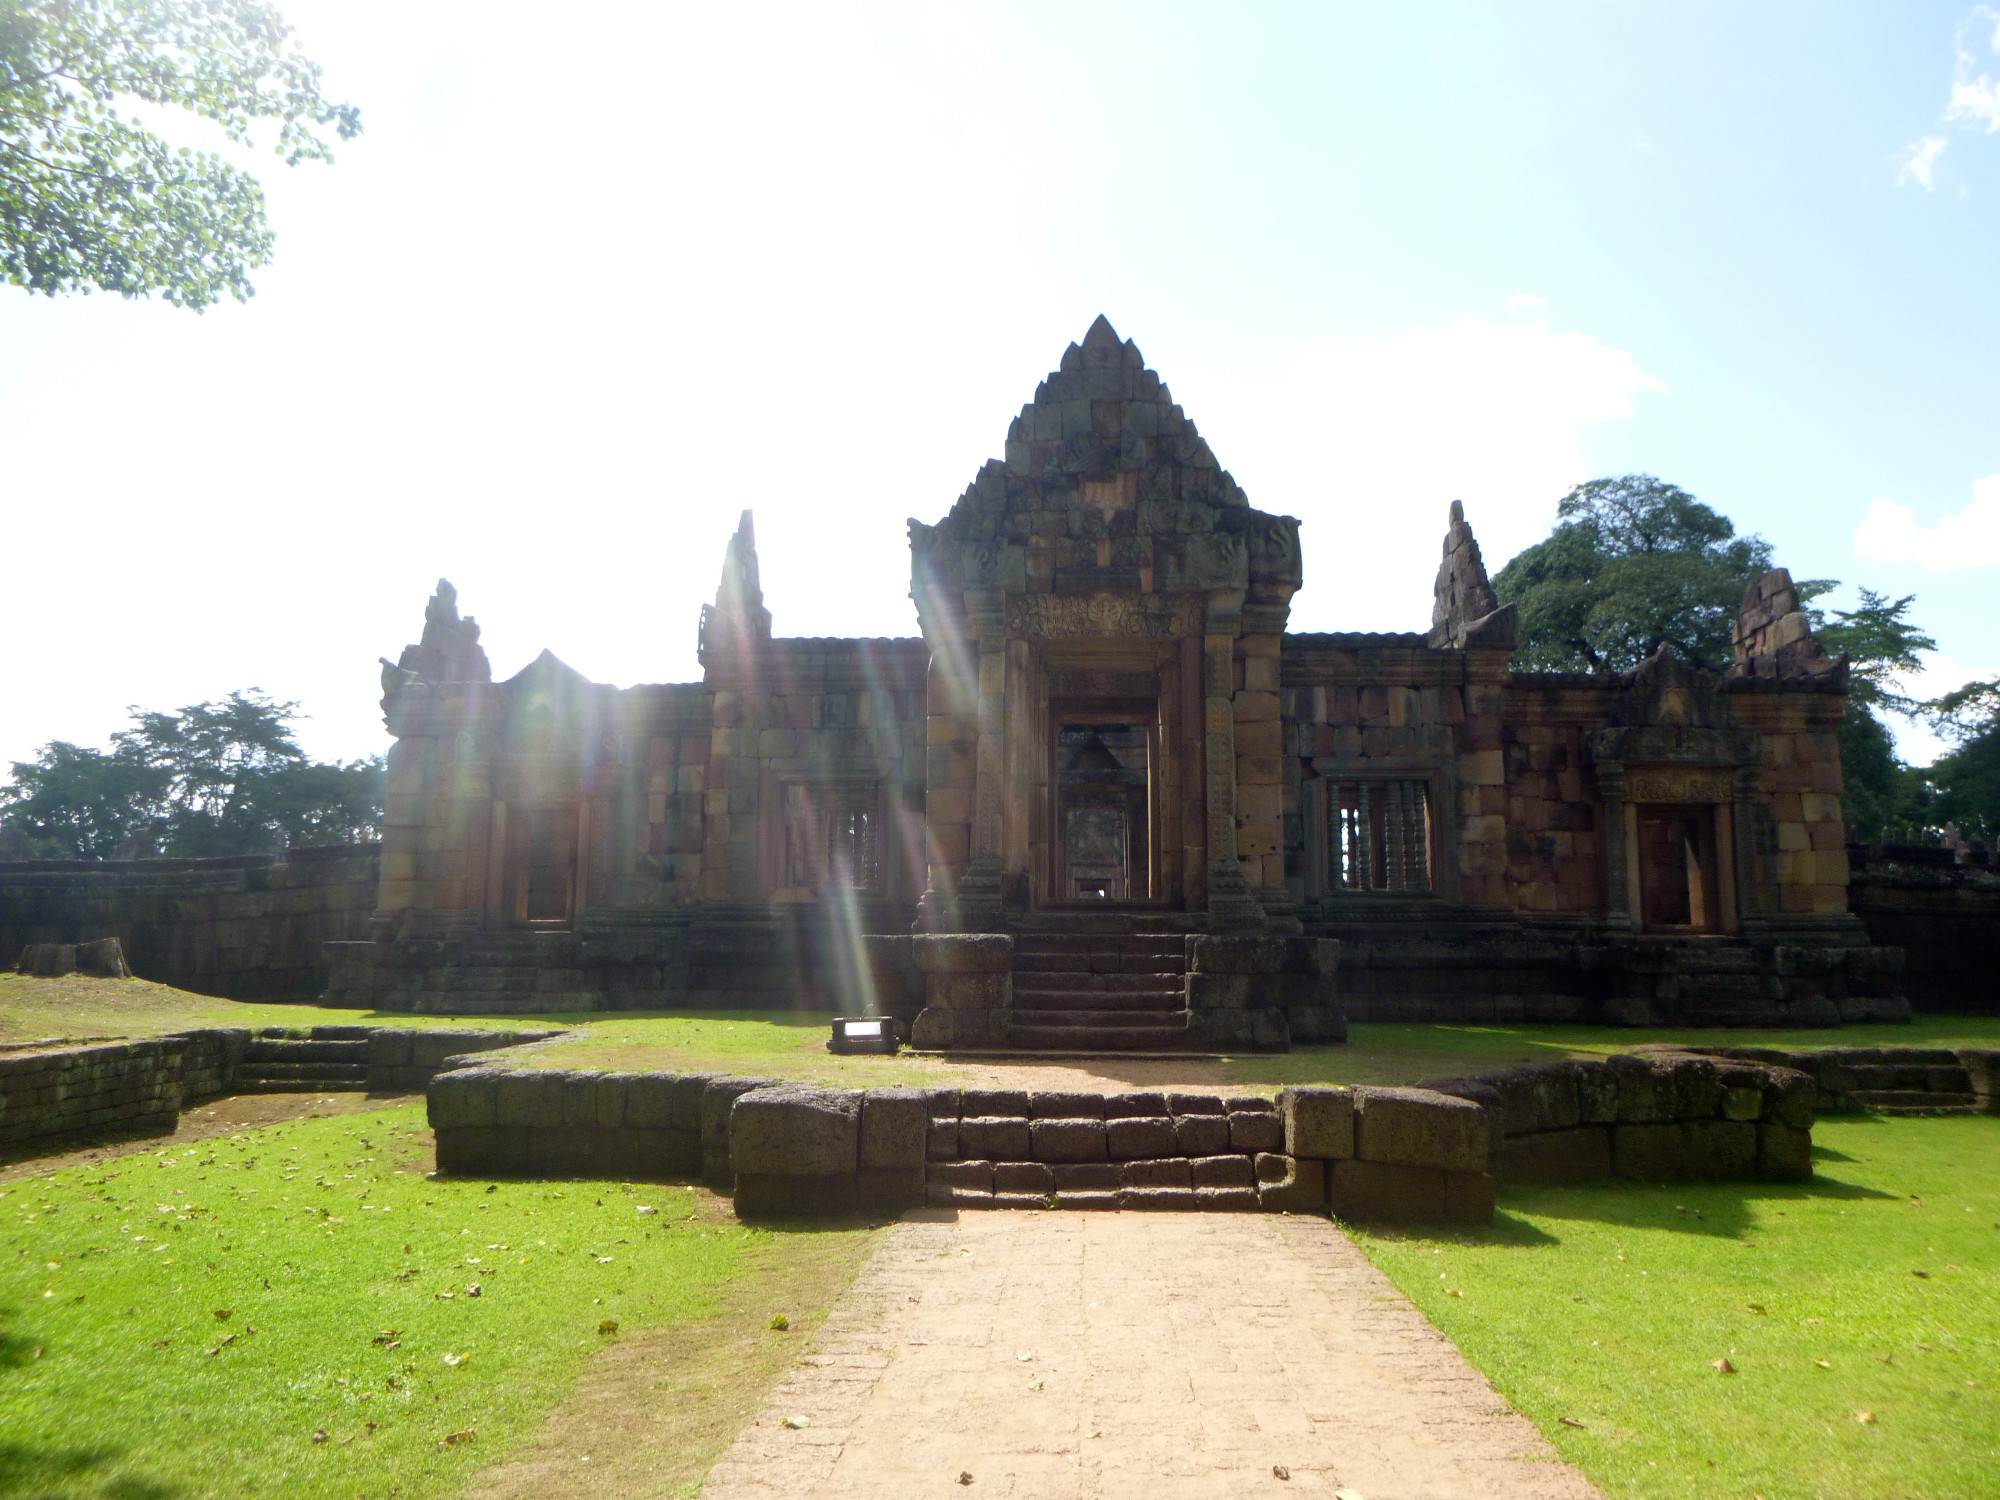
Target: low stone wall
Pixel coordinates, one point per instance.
(1430, 1154)
(1645, 1114)
(1944, 916)
(132, 1087)
(246, 928)
(1848, 1080)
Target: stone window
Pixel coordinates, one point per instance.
(1379, 838)
(832, 837)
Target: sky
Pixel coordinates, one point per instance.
(597, 278)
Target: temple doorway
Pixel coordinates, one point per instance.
(539, 874)
(1103, 784)
(1678, 889)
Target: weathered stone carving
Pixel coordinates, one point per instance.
(1465, 611)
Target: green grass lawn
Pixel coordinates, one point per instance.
(792, 1044)
(291, 1311)
(1860, 1312)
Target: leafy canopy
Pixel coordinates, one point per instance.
(1964, 785)
(225, 777)
(1633, 564)
(90, 198)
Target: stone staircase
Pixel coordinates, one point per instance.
(1082, 991)
(1915, 1088)
(335, 1060)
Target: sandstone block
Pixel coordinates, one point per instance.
(1065, 1106)
(1202, 1135)
(995, 1139)
(1068, 1140)
(1540, 1097)
(1194, 1104)
(941, 1141)
(1222, 1172)
(890, 1190)
(991, 1103)
(1213, 953)
(1251, 1133)
(1318, 1122)
(1581, 1154)
(1088, 1199)
(1783, 1152)
(969, 1176)
(1087, 1177)
(1157, 1199)
(529, 1099)
(1654, 1152)
(718, 1099)
(610, 1098)
(763, 1195)
(1030, 1177)
(463, 1100)
(1721, 1149)
(649, 1101)
(1227, 1200)
(1136, 1140)
(792, 1130)
(895, 1129)
(1166, 1172)
(688, 1089)
(1134, 1106)
(1419, 1128)
(1468, 1198)
(1288, 1185)
(1381, 1192)
(1645, 1096)
(964, 953)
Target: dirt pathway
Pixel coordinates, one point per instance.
(1125, 1354)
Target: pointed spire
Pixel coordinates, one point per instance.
(1101, 335)
(737, 620)
(1774, 634)
(449, 650)
(1464, 609)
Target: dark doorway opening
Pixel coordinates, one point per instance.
(1103, 781)
(1678, 890)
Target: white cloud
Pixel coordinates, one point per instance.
(1975, 93)
(1369, 443)
(1524, 302)
(1970, 539)
(1918, 163)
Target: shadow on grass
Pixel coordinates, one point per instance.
(29, 1470)
(1718, 1210)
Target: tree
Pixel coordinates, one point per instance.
(225, 777)
(1880, 642)
(1964, 785)
(1633, 564)
(90, 198)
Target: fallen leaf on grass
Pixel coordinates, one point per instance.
(780, 1322)
(224, 1314)
(1569, 1421)
(1454, 1294)
(388, 1337)
(1865, 1418)
(1755, 1307)
(1723, 1367)
(320, 1435)
(452, 1439)
(221, 1346)
(1823, 1364)
(608, 1325)
(458, 1359)
(1921, 1275)
(473, 1290)
(796, 1422)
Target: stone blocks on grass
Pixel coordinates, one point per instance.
(1318, 1122)
(1420, 1128)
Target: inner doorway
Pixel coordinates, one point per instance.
(1678, 890)
(1103, 843)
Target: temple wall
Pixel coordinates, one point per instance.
(246, 928)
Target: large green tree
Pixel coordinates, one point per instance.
(1964, 785)
(92, 198)
(224, 777)
(1633, 564)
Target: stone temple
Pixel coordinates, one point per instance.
(1107, 799)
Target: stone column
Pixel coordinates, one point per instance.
(1620, 900)
(1231, 901)
(979, 894)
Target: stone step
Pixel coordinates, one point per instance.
(1123, 946)
(319, 1034)
(329, 1072)
(1917, 1102)
(1150, 1015)
(266, 1050)
(1935, 1079)
(1062, 1000)
(1098, 1038)
(1043, 979)
(299, 1086)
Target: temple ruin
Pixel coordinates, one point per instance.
(1107, 799)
